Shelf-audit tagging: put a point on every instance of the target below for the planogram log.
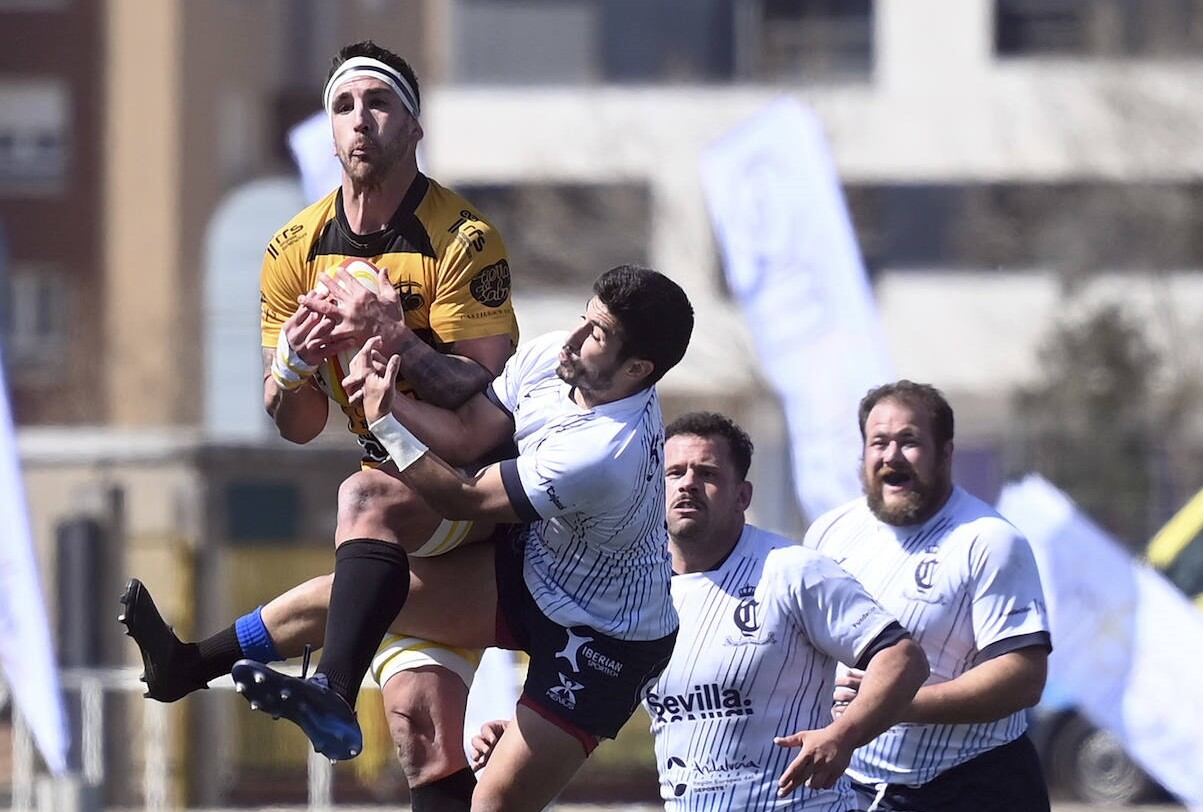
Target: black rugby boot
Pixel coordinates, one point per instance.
(170, 668)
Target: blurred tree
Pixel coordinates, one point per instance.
(1095, 424)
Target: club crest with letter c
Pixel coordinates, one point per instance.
(745, 616)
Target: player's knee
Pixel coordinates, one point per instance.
(370, 503)
(412, 732)
(426, 750)
(422, 754)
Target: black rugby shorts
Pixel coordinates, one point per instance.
(585, 682)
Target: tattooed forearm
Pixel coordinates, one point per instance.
(439, 379)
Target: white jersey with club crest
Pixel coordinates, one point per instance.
(755, 658)
(965, 585)
(591, 484)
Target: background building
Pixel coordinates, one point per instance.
(1012, 168)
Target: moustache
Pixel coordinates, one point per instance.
(895, 476)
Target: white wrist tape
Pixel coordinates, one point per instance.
(401, 445)
(289, 370)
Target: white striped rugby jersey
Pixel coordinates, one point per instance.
(965, 584)
(755, 658)
(591, 483)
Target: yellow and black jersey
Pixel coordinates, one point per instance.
(447, 263)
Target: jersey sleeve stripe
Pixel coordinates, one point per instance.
(517, 494)
(1007, 645)
(887, 637)
(496, 401)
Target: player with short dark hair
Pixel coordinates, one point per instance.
(964, 582)
(579, 575)
(712, 425)
(642, 304)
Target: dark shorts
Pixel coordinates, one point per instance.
(1005, 779)
(581, 680)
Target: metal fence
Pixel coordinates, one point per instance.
(83, 791)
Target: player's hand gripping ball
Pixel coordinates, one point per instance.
(335, 368)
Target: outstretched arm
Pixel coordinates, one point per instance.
(460, 436)
(890, 680)
(449, 492)
(451, 379)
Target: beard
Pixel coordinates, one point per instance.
(573, 373)
(920, 504)
(372, 172)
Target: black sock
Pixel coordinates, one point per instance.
(371, 582)
(450, 794)
(217, 654)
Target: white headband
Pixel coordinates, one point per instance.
(360, 66)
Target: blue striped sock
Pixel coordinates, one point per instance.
(253, 636)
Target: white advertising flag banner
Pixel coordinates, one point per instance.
(1127, 645)
(792, 261)
(312, 146)
(26, 653)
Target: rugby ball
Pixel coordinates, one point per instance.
(332, 371)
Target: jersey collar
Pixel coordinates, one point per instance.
(404, 224)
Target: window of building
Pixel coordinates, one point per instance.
(33, 5)
(34, 122)
(580, 41)
(33, 314)
(262, 512)
(660, 41)
(1027, 27)
(1099, 28)
(805, 40)
(1082, 226)
(562, 235)
(529, 42)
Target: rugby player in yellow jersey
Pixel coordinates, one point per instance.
(444, 308)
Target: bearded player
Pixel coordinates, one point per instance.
(443, 307)
(964, 583)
